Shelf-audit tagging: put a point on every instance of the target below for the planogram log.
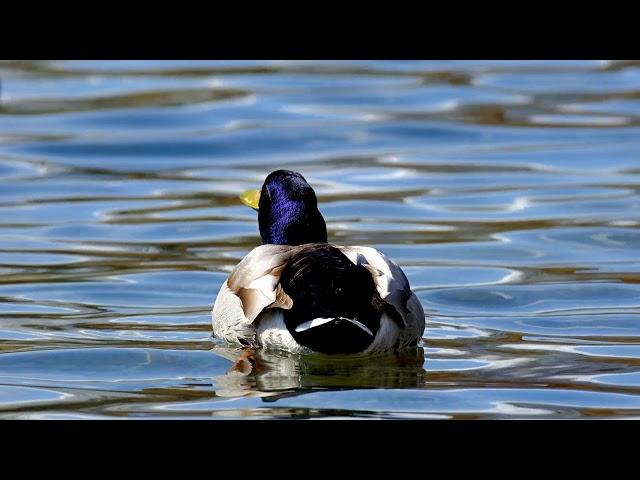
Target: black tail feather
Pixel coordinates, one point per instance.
(323, 283)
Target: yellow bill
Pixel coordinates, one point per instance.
(251, 198)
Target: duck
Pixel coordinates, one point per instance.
(298, 293)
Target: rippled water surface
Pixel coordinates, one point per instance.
(508, 191)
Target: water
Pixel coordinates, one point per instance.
(508, 191)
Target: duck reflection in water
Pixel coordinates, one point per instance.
(274, 374)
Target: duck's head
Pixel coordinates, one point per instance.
(287, 210)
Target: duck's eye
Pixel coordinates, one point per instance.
(338, 290)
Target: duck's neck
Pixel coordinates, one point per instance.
(291, 222)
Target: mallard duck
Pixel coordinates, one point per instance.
(298, 293)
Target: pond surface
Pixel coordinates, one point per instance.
(508, 191)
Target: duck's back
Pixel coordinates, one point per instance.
(318, 297)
